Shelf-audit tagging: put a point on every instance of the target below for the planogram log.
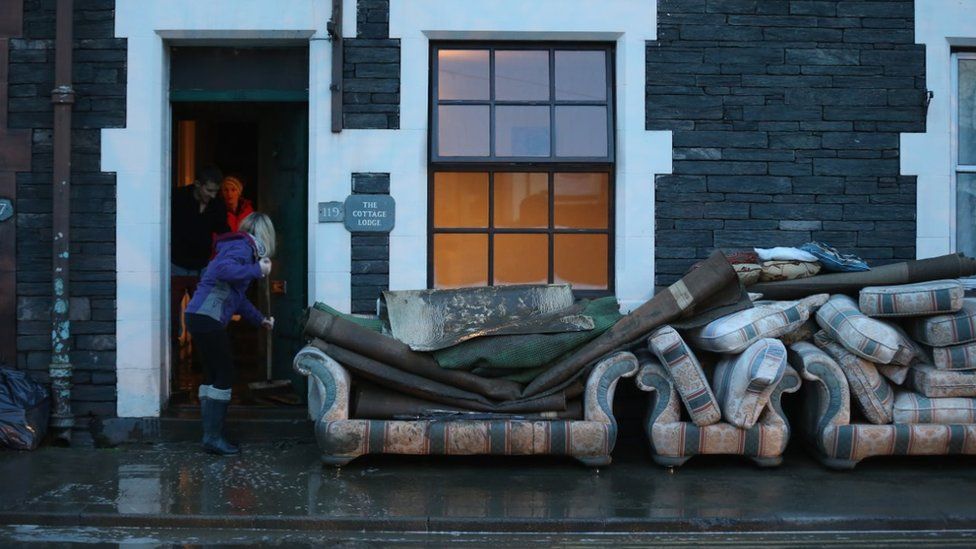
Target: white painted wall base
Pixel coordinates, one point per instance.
(140, 152)
(940, 25)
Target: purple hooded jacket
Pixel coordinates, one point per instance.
(220, 292)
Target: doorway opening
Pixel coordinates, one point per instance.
(264, 146)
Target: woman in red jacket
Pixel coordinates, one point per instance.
(238, 207)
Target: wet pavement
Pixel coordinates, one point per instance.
(279, 493)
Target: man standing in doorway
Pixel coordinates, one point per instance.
(197, 219)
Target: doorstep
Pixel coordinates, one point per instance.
(182, 424)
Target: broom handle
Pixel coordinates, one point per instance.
(267, 297)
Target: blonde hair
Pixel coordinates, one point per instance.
(231, 181)
(260, 227)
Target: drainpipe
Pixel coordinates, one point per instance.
(63, 97)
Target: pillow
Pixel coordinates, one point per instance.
(956, 357)
(787, 270)
(924, 298)
(866, 337)
(949, 329)
(933, 383)
(803, 333)
(915, 408)
(735, 332)
(743, 383)
(748, 273)
(687, 374)
(871, 391)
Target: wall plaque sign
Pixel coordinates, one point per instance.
(331, 212)
(373, 213)
(6, 209)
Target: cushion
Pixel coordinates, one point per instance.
(924, 298)
(748, 272)
(956, 357)
(934, 383)
(687, 375)
(897, 374)
(908, 353)
(787, 270)
(743, 383)
(948, 329)
(871, 391)
(803, 333)
(860, 334)
(735, 332)
(915, 408)
(832, 260)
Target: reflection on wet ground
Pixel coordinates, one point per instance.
(284, 487)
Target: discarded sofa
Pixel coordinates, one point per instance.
(343, 438)
(676, 434)
(873, 390)
(840, 443)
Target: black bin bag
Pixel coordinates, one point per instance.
(24, 408)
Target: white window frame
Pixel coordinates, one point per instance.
(957, 168)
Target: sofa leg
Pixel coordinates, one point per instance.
(838, 464)
(593, 461)
(336, 461)
(670, 461)
(774, 461)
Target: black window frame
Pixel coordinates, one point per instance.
(552, 165)
(491, 102)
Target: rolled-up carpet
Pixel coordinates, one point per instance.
(415, 385)
(387, 350)
(908, 272)
(714, 282)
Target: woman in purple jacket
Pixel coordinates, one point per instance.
(240, 257)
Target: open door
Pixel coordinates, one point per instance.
(283, 195)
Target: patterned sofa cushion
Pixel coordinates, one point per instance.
(934, 383)
(871, 391)
(948, 329)
(787, 270)
(956, 357)
(924, 298)
(860, 334)
(909, 353)
(748, 273)
(734, 333)
(915, 408)
(743, 383)
(687, 374)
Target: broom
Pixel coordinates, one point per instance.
(277, 390)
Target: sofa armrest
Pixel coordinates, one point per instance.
(827, 402)
(602, 383)
(773, 414)
(330, 384)
(664, 406)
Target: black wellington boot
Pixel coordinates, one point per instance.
(213, 413)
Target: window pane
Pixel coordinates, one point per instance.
(521, 131)
(462, 74)
(521, 200)
(581, 260)
(521, 75)
(967, 111)
(581, 131)
(460, 260)
(581, 200)
(462, 130)
(581, 75)
(521, 259)
(966, 214)
(460, 199)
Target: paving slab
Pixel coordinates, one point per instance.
(174, 492)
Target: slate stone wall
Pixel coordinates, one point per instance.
(370, 251)
(371, 70)
(99, 82)
(786, 117)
